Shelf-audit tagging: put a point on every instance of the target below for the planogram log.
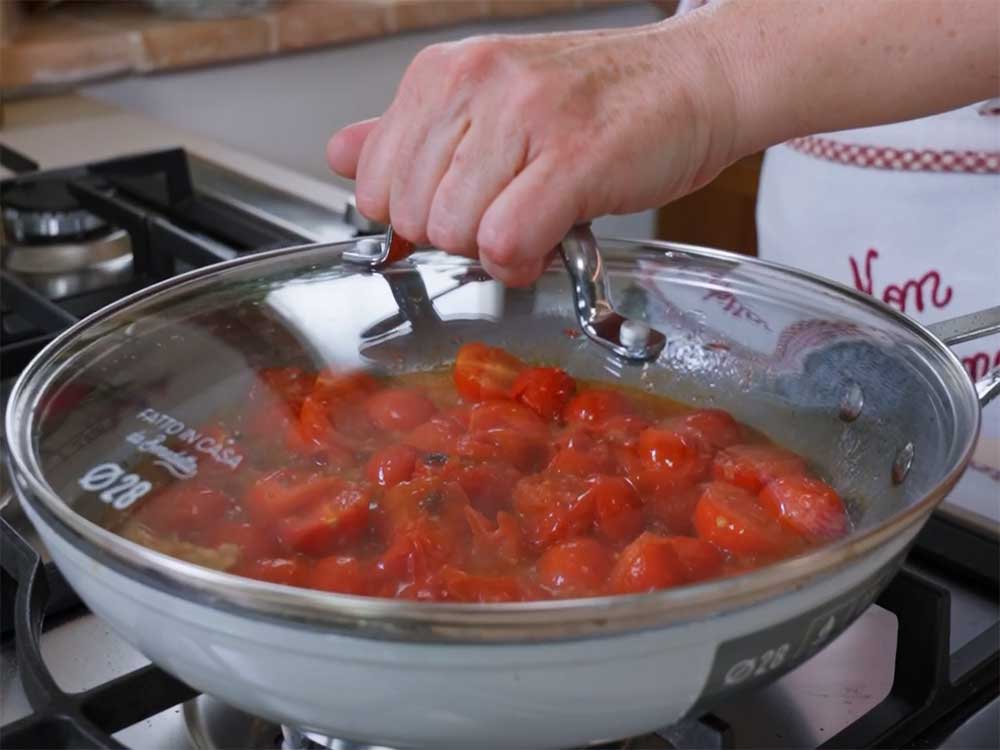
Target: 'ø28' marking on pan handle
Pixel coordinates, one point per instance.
(118, 489)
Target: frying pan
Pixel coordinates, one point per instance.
(875, 401)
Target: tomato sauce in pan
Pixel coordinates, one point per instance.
(494, 481)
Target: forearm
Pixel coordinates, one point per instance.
(797, 67)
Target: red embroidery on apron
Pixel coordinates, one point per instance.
(916, 291)
(898, 159)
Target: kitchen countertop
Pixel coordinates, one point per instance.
(83, 40)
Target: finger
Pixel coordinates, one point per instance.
(483, 164)
(530, 217)
(344, 148)
(421, 161)
(522, 274)
(375, 165)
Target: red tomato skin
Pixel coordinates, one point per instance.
(623, 430)
(391, 465)
(647, 564)
(680, 456)
(552, 508)
(808, 506)
(460, 586)
(511, 446)
(594, 406)
(617, 509)
(581, 463)
(184, 508)
(753, 466)
(398, 409)
(699, 559)
(489, 485)
(491, 416)
(341, 574)
(667, 505)
(283, 492)
(715, 427)
(545, 390)
(438, 435)
(576, 567)
(498, 541)
(484, 372)
(331, 524)
(730, 518)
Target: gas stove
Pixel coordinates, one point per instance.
(919, 668)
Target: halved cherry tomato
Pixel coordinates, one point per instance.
(398, 409)
(507, 415)
(617, 508)
(286, 385)
(680, 456)
(391, 465)
(808, 506)
(184, 508)
(647, 564)
(576, 567)
(623, 430)
(438, 435)
(714, 426)
(546, 390)
(699, 559)
(416, 550)
(283, 492)
(595, 406)
(426, 498)
(582, 463)
(501, 540)
(485, 372)
(460, 586)
(489, 485)
(338, 519)
(340, 573)
(730, 518)
(335, 420)
(521, 451)
(668, 506)
(290, 572)
(753, 466)
(553, 507)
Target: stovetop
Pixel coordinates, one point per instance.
(919, 668)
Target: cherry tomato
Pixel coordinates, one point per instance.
(617, 508)
(546, 390)
(514, 447)
(339, 573)
(647, 564)
(595, 406)
(714, 426)
(623, 430)
(501, 541)
(340, 518)
(699, 559)
(438, 435)
(491, 416)
(391, 465)
(398, 409)
(460, 586)
(286, 385)
(415, 551)
(425, 498)
(681, 457)
(808, 506)
(730, 518)
(668, 505)
(355, 385)
(489, 485)
(184, 508)
(290, 572)
(576, 567)
(283, 492)
(485, 372)
(581, 463)
(334, 420)
(553, 507)
(753, 466)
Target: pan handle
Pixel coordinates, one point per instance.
(375, 253)
(966, 328)
(628, 338)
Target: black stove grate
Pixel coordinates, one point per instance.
(934, 690)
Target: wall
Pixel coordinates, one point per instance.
(284, 109)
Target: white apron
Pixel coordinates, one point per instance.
(910, 213)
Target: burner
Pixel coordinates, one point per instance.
(41, 209)
(61, 269)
